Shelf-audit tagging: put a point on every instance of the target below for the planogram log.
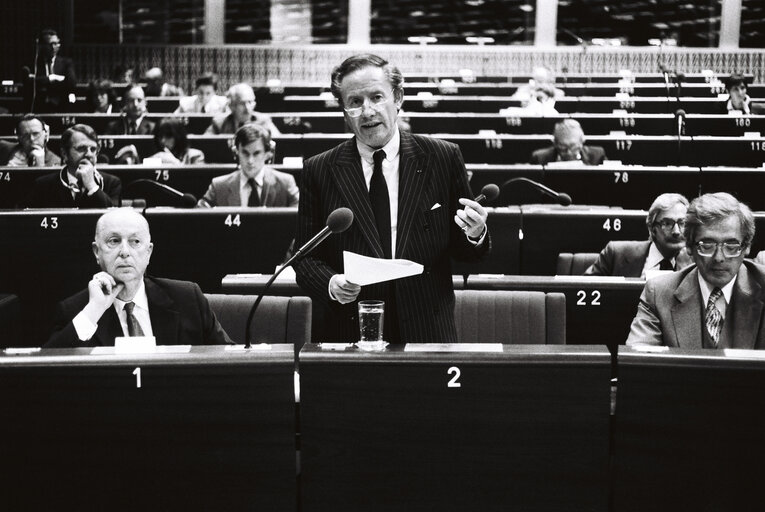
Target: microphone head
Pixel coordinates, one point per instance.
(490, 192)
(680, 113)
(564, 199)
(340, 220)
(188, 200)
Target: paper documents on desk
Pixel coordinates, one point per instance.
(364, 270)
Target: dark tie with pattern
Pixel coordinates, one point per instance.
(666, 264)
(134, 328)
(254, 195)
(713, 318)
(378, 196)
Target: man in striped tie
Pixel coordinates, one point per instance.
(121, 300)
(720, 301)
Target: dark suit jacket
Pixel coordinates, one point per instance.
(279, 189)
(621, 258)
(591, 155)
(431, 171)
(7, 149)
(670, 311)
(120, 127)
(179, 312)
(54, 96)
(50, 192)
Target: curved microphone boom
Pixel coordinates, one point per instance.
(561, 197)
(186, 200)
(337, 222)
(489, 193)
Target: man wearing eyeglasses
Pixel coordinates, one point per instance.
(410, 198)
(664, 249)
(568, 145)
(716, 303)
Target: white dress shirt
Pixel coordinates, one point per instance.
(86, 329)
(724, 300)
(245, 189)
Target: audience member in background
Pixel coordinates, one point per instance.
(78, 184)
(101, 98)
(540, 76)
(54, 77)
(241, 102)
(133, 120)
(664, 249)
(568, 145)
(739, 101)
(542, 102)
(121, 300)
(720, 301)
(206, 100)
(125, 74)
(254, 183)
(156, 85)
(173, 144)
(32, 148)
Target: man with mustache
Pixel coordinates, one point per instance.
(664, 249)
(720, 301)
(122, 301)
(78, 184)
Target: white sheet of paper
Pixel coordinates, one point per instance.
(364, 270)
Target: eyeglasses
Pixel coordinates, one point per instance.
(669, 224)
(729, 249)
(376, 103)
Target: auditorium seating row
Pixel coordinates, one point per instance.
(495, 427)
(456, 123)
(49, 257)
(488, 149)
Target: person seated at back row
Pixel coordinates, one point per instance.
(568, 145)
(101, 98)
(254, 183)
(664, 249)
(206, 100)
(156, 85)
(133, 120)
(241, 102)
(739, 101)
(173, 144)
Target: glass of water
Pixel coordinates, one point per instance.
(371, 318)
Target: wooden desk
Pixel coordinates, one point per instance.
(521, 429)
(689, 430)
(205, 429)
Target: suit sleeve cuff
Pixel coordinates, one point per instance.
(479, 240)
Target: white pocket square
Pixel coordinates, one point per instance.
(437, 205)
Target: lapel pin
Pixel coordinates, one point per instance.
(419, 171)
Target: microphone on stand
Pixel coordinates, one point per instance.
(337, 222)
(679, 132)
(488, 193)
(181, 199)
(561, 197)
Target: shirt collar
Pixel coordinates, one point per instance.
(141, 299)
(391, 148)
(706, 289)
(655, 257)
(70, 181)
(243, 179)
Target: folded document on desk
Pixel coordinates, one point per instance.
(364, 270)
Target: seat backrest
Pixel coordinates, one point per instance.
(510, 317)
(574, 264)
(277, 320)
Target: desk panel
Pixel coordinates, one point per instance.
(688, 430)
(527, 429)
(209, 429)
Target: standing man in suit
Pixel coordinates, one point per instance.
(720, 301)
(133, 120)
(32, 149)
(54, 77)
(241, 103)
(122, 301)
(410, 197)
(664, 249)
(78, 184)
(254, 183)
(568, 145)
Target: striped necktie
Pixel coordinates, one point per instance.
(713, 318)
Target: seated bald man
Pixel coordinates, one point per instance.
(569, 145)
(121, 300)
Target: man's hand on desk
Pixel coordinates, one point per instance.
(342, 290)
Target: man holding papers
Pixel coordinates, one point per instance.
(409, 195)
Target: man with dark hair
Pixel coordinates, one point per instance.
(739, 101)
(133, 120)
(121, 300)
(206, 100)
(78, 184)
(410, 198)
(53, 79)
(664, 249)
(720, 301)
(254, 183)
(32, 148)
(568, 145)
